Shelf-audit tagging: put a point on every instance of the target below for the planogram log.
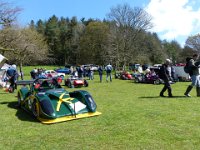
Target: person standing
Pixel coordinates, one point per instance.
(12, 74)
(109, 69)
(165, 76)
(100, 70)
(194, 74)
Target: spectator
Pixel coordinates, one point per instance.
(165, 76)
(194, 74)
(100, 70)
(80, 72)
(12, 77)
(109, 69)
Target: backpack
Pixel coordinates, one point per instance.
(160, 72)
(187, 67)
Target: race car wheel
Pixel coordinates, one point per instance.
(35, 109)
(62, 76)
(69, 84)
(19, 100)
(136, 80)
(156, 82)
(85, 83)
(65, 83)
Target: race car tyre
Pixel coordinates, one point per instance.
(69, 84)
(35, 109)
(65, 83)
(62, 76)
(156, 82)
(136, 80)
(85, 83)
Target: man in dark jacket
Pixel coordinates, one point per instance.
(12, 76)
(165, 76)
(100, 70)
(194, 74)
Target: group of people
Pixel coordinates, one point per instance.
(83, 72)
(194, 73)
(37, 73)
(108, 70)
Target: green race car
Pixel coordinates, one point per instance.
(46, 100)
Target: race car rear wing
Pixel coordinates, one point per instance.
(24, 82)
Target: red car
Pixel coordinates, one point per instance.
(126, 76)
(75, 82)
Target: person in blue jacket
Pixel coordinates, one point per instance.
(12, 75)
(100, 70)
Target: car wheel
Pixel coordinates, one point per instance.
(157, 81)
(136, 80)
(69, 84)
(65, 83)
(35, 109)
(85, 83)
(19, 100)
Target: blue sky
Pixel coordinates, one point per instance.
(172, 19)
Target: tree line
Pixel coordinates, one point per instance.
(122, 38)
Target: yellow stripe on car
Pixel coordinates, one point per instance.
(61, 99)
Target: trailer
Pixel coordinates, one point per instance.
(2, 71)
(2, 60)
(180, 74)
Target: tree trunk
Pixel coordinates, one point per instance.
(20, 70)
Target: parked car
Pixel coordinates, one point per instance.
(124, 75)
(48, 102)
(151, 79)
(75, 82)
(63, 70)
(53, 73)
(91, 66)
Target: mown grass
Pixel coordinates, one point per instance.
(133, 117)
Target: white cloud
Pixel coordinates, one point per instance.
(174, 19)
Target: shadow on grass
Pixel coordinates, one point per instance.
(21, 114)
(150, 97)
(3, 92)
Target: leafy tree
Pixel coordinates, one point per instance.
(29, 46)
(52, 32)
(172, 49)
(193, 42)
(8, 14)
(127, 23)
(32, 25)
(92, 43)
(40, 27)
(148, 49)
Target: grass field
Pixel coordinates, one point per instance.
(133, 117)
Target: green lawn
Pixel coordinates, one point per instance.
(133, 117)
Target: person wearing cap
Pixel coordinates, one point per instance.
(12, 74)
(165, 76)
(194, 74)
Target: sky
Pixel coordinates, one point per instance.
(172, 19)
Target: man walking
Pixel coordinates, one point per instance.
(165, 76)
(194, 74)
(109, 69)
(100, 70)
